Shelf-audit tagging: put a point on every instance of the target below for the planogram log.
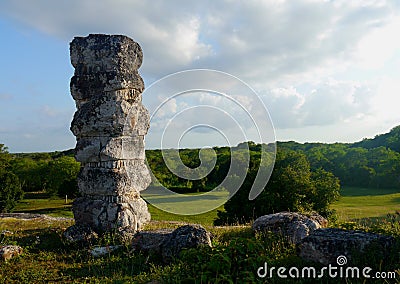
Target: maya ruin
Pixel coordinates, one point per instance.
(110, 124)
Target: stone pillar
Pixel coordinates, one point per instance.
(109, 125)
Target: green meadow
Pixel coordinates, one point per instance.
(236, 254)
(356, 203)
(39, 203)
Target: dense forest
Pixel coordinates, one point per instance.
(368, 163)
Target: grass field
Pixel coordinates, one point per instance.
(186, 204)
(39, 203)
(354, 204)
(236, 254)
(361, 203)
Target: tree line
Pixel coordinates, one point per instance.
(305, 177)
(54, 173)
(373, 163)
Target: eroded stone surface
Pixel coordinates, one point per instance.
(294, 226)
(10, 251)
(169, 243)
(326, 245)
(80, 234)
(109, 124)
(151, 241)
(101, 251)
(188, 236)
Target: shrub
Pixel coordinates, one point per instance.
(10, 191)
(292, 187)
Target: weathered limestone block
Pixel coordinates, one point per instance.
(10, 251)
(110, 118)
(111, 212)
(99, 52)
(119, 177)
(150, 241)
(188, 236)
(129, 85)
(326, 245)
(101, 251)
(123, 148)
(292, 225)
(80, 234)
(100, 117)
(109, 124)
(170, 243)
(103, 149)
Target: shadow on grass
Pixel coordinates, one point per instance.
(36, 195)
(55, 211)
(180, 199)
(120, 266)
(35, 240)
(359, 191)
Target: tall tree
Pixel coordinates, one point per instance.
(62, 176)
(10, 187)
(292, 187)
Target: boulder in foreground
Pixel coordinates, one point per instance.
(169, 243)
(291, 225)
(327, 246)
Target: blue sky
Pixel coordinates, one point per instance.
(326, 70)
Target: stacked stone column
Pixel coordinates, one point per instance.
(109, 125)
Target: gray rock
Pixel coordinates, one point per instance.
(109, 124)
(102, 116)
(123, 148)
(10, 251)
(188, 236)
(99, 52)
(117, 178)
(83, 87)
(326, 245)
(5, 233)
(79, 234)
(292, 225)
(104, 149)
(169, 243)
(101, 251)
(110, 213)
(151, 241)
(125, 235)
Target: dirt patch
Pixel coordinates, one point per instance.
(30, 216)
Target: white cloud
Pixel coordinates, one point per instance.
(379, 45)
(257, 40)
(307, 58)
(166, 108)
(335, 102)
(386, 102)
(324, 104)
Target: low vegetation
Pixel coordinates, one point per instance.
(236, 255)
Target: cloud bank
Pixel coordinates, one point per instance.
(314, 63)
